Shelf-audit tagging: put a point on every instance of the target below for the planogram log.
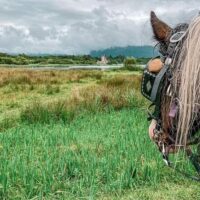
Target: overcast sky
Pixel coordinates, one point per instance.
(79, 26)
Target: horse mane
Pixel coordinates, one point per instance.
(185, 84)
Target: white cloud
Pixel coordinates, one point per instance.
(79, 26)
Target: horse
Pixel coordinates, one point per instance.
(172, 82)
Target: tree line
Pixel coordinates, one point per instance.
(23, 59)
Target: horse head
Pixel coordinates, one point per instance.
(177, 81)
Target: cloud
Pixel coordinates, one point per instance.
(79, 26)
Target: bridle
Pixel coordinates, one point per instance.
(153, 87)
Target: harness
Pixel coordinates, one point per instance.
(155, 84)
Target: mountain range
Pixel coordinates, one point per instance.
(135, 51)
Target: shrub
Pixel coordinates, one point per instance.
(130, 61)
(130, 64)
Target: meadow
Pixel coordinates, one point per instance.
(81, 135)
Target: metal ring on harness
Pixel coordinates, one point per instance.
(177, 36)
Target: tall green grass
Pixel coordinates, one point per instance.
(94, 155)
(103, 151)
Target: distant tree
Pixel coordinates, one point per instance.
(3, 54)
(130, 62)
(21, 60)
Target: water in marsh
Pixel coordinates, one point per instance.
(82, 67)
(77, 67)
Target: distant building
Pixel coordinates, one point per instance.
(103, 61)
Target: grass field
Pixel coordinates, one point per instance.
(80, 135)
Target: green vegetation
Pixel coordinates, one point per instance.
(130, 64)
(64, 91)
(81, 135)
(130, 61)
(108, 155)
(59, 60)
(23, 59)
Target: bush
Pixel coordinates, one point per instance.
(130, 61)
(130, 64)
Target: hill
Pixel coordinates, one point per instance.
(135, 51)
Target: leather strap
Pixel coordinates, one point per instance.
(157, 82)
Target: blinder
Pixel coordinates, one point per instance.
(153, 83)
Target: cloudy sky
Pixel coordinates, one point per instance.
(79, 26)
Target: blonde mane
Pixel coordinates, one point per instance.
(186, 82)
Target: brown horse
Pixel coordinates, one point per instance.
(180, 94)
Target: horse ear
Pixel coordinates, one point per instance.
(161, 29)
